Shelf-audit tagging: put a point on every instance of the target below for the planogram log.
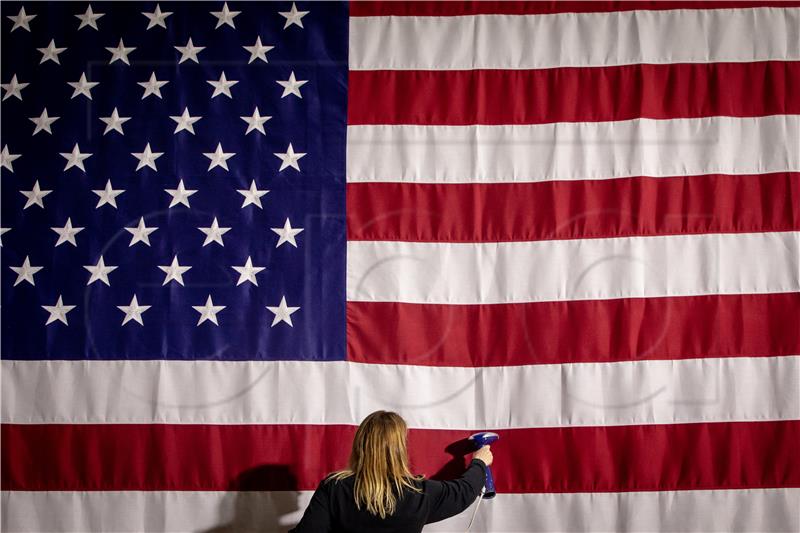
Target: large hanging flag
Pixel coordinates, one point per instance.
(232, 230)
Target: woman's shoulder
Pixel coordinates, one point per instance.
(343, 479)
(334, 478)
(417, 481)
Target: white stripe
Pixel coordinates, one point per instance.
(748, 510)
(756, 510)
(573, 150)
(157, 511)
(574, 40)
(578, 269)
(292, 392)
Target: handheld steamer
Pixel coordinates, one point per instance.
(480, 440)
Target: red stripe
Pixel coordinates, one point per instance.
(454, 8)
(573, 209)
(574, 94)
(574, 332)
(288, 457)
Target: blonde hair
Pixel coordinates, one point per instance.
(379, 462)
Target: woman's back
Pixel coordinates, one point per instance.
(333, 509)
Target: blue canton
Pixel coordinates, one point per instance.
(173, 180)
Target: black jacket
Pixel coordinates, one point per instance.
(333, 508)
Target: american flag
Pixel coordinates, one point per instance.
(232, 230)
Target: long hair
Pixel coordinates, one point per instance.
(379, 462)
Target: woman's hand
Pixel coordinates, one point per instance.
(484, 454)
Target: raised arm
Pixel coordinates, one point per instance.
(448, 498)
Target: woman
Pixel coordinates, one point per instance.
(379, 493)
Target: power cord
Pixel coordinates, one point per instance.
(475, 511)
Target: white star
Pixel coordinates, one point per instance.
(43, 122)
(219, 158)
(3, 231)
(83, 86)
(180, 195)
(214, 233)
(133, 311)
(108, 195)
(287, 233)
(252, 195)
(141, 233)
(75, 158)
(291, 86)
(6, 158)
(208, 311)
(223, 86)
(35, 196)
(225, 16)
(21, 20)
(185, 121)
(58, 311)
(290, 158)
(99, 272)
(89, 18)
(147, 158)
(255, 122)
(13, 88)
(283, 313)
(120, 52)
(189, 51)
(51, 52)
(67, 233)
(157, 17)
(25, 272)
(247, 272)
(114, 122)
(152, 86)
(174, 271)
(258, 51)
(293, 16)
